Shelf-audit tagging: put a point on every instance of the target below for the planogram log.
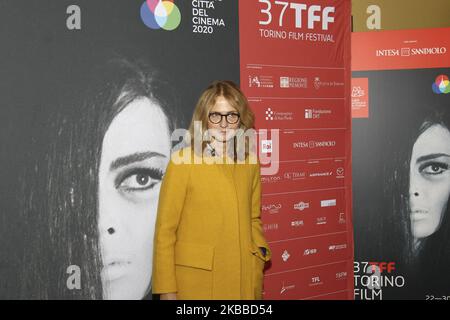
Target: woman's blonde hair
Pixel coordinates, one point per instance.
(231, 92)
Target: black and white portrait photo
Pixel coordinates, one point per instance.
(401, 165)
(90, 99)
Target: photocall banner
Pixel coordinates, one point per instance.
(295, 71)
(401, 144)
(79, 181)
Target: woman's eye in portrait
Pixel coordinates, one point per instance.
(433, 168)
(138, 179)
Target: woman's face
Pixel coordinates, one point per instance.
(429, 180)
(222, 131)
(135, 153)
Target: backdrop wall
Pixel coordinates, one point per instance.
(74, 154)
(400, 101)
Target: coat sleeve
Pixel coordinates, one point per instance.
(171, 201)
(257, 229)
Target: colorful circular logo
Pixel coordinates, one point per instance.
(157, 14)
(441, 85)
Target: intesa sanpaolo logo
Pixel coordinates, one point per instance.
(441, 85)
(158, 14)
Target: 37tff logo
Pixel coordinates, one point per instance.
(315, 16)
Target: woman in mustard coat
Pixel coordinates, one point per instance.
(209, 242)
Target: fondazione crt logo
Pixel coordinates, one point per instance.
(157, 14)
(441, 85)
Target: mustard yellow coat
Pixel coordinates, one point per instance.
(208, 232)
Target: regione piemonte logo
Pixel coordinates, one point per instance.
(441, 85)
(157, 14)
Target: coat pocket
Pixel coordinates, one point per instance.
(193, 267)
(194, 255)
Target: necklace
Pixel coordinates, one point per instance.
(211, 150)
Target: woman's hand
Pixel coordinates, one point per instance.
(168, 296)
